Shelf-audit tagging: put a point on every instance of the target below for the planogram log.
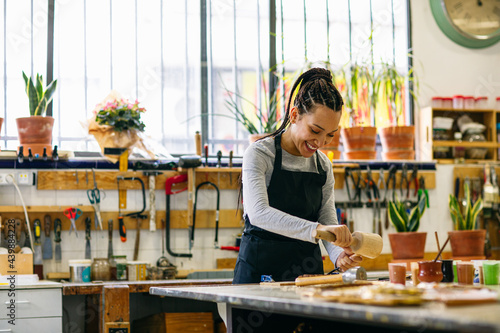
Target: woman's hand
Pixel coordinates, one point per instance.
(341, 232)
(348, 259)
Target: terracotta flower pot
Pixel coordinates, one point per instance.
(359, 142)
(397, 142)
(36, 133)
(407, 245)
(467, 243)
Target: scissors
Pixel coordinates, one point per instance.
(94, 196)
(73, 214)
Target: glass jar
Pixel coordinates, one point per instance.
(458, 102)
(120, 267)
(469, 102)
(498, 103)
(477, 153)
(481, 102)
(101, 270)
(437, 102)
(447, 102)
(458, 152)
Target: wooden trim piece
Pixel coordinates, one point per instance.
(116, 307)
(228, 218)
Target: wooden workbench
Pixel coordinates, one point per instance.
(111, 300)
(260, 308)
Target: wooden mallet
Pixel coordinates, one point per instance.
(364, 244)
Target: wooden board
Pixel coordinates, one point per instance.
(228, 218)
(115, 301)
(106, 180)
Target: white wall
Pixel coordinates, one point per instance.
(446, 68)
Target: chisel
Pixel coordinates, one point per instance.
(87, 238)
(38, 244)
(110, 238)
(47, 244)
(57, 239)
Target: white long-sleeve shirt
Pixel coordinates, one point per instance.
(257, 169)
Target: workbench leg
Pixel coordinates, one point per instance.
(115, 307)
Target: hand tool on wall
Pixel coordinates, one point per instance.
(404, 180)
(413, 179)
(57, 240)
(216, 240)
(110, 238)
(391, 178)
(422, 190)
(27, 241)
(190, 163)
(230, 165)
(488, 193)
(73, 213)
(197, 141)
(369, 189)
(348, 277)
(169, 182)
(364, 244)
(37, 260)
(137, 215)
(121, 225)
(47, 244)
(163, 261)
(205, 149)
(347, 175)
(152, 198)
(87, 237)
(137, 243)
(379, 201)
(494, 183)
(94, 196)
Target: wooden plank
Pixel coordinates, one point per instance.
(226, 262)
(228, 218)
(116, 307)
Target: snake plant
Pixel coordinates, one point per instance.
(401, 219)
(467, 220)
(39, 99)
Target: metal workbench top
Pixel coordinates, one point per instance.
(285, 300)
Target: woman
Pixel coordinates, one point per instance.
(288, 190)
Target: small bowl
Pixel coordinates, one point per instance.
(430, 271)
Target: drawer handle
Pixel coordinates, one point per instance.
(7, 330)
(18, 302)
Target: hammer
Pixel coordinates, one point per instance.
(349, 276)
(364, 244)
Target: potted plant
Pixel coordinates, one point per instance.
(407, 242)
(117, 123)
(358, 137)
(466, 240)
(390, 86)
(35, 132)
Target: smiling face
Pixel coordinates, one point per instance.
(310, 131)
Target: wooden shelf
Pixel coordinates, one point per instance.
(463, 110)
(424, 132)
(466, 144)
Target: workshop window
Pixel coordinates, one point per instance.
(179, 57)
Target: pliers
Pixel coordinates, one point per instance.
(404, 180)
(413, 178)
(391, 178)
(422, 190)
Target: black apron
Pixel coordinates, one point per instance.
(267, 253)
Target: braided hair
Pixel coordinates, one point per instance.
(315, 87)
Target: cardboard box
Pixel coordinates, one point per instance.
(22, 263)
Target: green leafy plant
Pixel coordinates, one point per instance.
(390, 85)
(121, 115)
(261, 119)
(39, 98)
(467, 220)
(403, 221)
